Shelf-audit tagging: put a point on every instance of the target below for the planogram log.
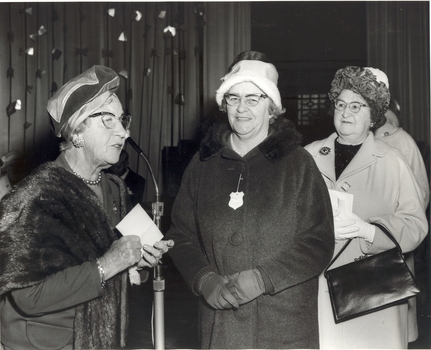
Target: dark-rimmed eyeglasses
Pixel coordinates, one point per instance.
(249, 100)
(110, 120)
(354, 107)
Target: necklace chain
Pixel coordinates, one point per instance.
(89, 182)
(242, 154)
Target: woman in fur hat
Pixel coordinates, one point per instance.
(63, 270)
(252, 222)
(384, 191)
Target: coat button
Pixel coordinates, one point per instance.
(242, 313)
(235, 238)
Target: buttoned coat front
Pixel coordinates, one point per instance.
(386, 192)
(283, 227)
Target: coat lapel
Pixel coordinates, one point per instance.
(365, 157)
(324, 156)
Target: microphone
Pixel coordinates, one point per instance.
(159, 280)
(158, 206)
(135, 146)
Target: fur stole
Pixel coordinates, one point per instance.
(283, 138)
(52, 221)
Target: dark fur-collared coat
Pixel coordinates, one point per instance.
(284, 227)
(53, 221)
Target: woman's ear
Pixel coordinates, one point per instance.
(77, 141)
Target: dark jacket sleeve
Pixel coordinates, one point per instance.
(62, 290)
(187, 254)
(314, 235)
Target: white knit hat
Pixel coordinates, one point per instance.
(263, 75)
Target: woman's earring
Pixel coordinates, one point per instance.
(371, 125)
(77, 141)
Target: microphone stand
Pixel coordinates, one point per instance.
(159, 280)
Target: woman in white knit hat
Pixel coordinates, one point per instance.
(63, 267)
(252, 222)
(384, 192)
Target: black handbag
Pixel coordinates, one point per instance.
(370, 283)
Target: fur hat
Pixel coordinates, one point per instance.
(263, 75)
(80, 97)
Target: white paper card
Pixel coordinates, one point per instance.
(137, 222)
(336, 196)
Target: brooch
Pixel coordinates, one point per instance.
(324, 151)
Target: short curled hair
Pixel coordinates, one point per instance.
(67, 144)
(363, 82)
(273, 110)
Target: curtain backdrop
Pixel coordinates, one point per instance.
(156, 48)
(222, 43)
(399, 44)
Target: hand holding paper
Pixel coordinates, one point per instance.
(346, 223)
(137, 222)
(122, 253)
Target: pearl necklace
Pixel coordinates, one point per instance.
(242, 154)
(89, 182)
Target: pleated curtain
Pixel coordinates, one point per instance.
(169, 55)
(399, 44)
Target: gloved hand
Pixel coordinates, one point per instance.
(349, 225)
(354, 227)
(246, 285)
(213, 289)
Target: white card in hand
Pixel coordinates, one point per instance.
(137, 222)
(337, 196)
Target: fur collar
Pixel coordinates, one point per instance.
(52, 221)
(283, 138)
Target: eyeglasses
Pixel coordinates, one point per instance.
(354, 107)
(110, 120)
(250, 100)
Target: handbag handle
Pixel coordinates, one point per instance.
(381, 227)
